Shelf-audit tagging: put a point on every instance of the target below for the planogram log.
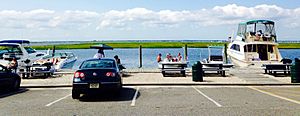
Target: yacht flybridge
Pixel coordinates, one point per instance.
(255, 44)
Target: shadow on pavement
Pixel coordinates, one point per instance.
(281, 75)
(6, 93)
(174, 75)
(126, 75)
(126, 94)
(42, 77)
(213, 75)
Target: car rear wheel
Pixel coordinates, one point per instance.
(118, 90)
(16, 84)
(75, 95)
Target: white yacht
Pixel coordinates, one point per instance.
(255, 44)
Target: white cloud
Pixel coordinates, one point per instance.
(42, 19)
(75, 19)
(141, 17)
(219, 15)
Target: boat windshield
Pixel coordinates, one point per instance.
(258, 30)
(11, 49)
(267, 29)
(215, 50)
(29, 50)
(59, 55)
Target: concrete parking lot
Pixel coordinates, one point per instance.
(155, 100)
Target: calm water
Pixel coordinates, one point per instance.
(130, 57)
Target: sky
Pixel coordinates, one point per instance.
(85, 20)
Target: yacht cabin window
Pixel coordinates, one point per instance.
(254, 48)
(235, 47)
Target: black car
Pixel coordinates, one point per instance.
(8, 79)
(95, 75)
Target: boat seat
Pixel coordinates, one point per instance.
(214, 67)
(275, 68)
(216, 58)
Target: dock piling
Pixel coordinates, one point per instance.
(185, 52)
(225, 53)
(140, 56)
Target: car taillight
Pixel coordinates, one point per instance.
(110, 74)
(78, 75)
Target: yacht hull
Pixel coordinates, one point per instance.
(243, 63)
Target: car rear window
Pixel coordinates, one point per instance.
(98, 64)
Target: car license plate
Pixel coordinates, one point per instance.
(94, 85)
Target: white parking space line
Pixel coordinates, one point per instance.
(215, 102)
(57, 100)
(274, 95)
(134, 97)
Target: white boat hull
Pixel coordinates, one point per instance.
(243, 63)
(63, 63)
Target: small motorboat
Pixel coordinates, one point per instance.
(216, 56)
(60, 60)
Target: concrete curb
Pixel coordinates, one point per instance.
(178, 84)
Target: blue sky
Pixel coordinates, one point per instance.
(78, 20)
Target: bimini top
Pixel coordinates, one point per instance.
(257, 21)
(9, 44)
(15, 41)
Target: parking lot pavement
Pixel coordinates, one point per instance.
(145, 100)
(291, 94)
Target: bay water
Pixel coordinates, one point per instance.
(130, 57)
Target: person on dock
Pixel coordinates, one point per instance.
(121, 67)
(158, 58)
(168, 58)
(13, 65)
(99, 54)
(179, 57)
(117, 59)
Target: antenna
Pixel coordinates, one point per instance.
(230, 38)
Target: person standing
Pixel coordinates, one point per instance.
(100, 54)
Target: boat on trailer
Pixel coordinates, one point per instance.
(19, 49)
(255, 44)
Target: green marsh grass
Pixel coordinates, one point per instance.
(152, 45)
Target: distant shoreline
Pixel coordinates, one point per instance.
(145, 44)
